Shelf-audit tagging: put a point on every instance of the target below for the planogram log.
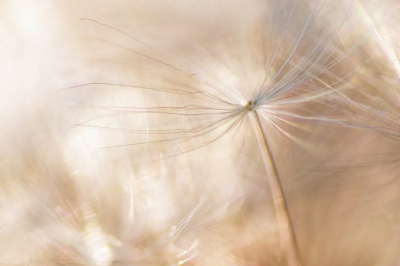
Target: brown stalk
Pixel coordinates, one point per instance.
(286, 231)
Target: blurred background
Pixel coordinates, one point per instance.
(75, 191)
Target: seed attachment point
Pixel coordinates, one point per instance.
(250, 105)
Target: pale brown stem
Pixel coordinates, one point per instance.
(287, 234)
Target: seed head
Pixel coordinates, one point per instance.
(250, 105)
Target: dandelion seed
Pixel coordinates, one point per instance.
(185, 148)
(278, 77)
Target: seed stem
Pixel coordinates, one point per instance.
(287, 234)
